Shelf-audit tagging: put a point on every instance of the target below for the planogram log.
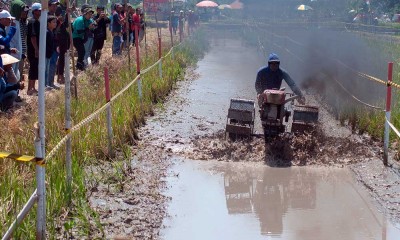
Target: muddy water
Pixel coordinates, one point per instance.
(222, 200)
(228, 71)
(217, 200)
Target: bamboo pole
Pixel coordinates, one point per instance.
(25, 210)
(40, 152)
(68, 144)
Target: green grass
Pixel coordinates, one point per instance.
(89, 144)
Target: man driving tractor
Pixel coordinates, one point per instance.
(271, 76)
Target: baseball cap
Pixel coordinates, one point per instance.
(51, 2)
(36, 6)
(6, 14)
(86, 10)
(85, 5)
(273, 57)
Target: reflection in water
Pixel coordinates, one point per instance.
(270, 196)
(219, 200)
(239, 193)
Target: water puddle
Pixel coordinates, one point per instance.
(220, 200)
(239, 197)
(201, 107)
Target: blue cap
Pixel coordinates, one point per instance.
(273, 57)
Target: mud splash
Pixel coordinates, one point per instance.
(312, 148)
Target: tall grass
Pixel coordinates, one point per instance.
(89, 143)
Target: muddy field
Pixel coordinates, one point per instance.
(136, 206)
(191, 125)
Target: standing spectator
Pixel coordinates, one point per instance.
(20, 11)
(191, 22)
(82, 24)
(33, 34)
(51, 46)
(23, 23)
(117, 23)
(100, 34)
(131, 11)
(136, 24)
(62, 36)
(173, 21)
(181, 25)
(125, 31)
(53, 5)
(89, 39)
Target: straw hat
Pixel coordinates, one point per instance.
(8, 59)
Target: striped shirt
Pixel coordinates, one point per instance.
(23, 30)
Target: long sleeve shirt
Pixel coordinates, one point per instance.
(80, 25)
(267, 79)
(5, 38)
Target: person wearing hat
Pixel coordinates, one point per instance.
(32, 36)
(100, 34)
(81, 25)
(271, 76)
(191, 22)
(9, 75)
(8, 91)
(53, 4)
(6, 20)
(20, 11)
(181, 25)
(89, 36)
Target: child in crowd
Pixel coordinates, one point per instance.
(50, 48)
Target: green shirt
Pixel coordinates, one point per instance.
(79, 25)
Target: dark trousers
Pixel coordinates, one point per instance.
(33, 68)
(95, 55)
(80, 48)
(61, 63)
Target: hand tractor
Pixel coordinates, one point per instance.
(276, 109)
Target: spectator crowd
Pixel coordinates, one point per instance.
(20, 37)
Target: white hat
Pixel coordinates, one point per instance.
(6, 14)
(36, 6)
(8, 59)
